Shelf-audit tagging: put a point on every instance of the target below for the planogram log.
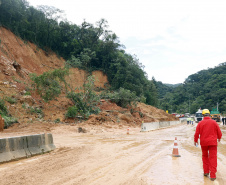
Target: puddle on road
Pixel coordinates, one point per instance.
(192, 149)
(186, 169)
(169, 170)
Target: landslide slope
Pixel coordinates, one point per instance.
(18, 59)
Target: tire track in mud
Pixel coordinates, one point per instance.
(134, 160)
(139, 158)
(151, 152)
(113, 168)
(40, 169)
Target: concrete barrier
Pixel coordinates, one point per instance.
(157, 125)
(164, 124)
(5, 154)
(15, 148)
(149, 126)
(49, 142)
(172, 123)
(18, 148)
(34, 144)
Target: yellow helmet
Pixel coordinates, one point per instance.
(205, 111)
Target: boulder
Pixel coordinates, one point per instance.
(27, 99)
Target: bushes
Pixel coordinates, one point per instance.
(48, 84)
(122, 97)
(72, 112)
(3, 109)
(11, 100)
(8, 119)
(85, 103)
(36, 110)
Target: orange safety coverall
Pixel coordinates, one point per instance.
(209, 132)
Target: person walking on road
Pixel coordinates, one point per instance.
(192, 120)
(188, 119)
(223, 120)
(209, 132)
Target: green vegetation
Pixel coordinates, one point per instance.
(11, 100)
(3, 109)
(8, 119)
(95, 47)
(85, 102)
(24, 106)
(57, 120)
(204, 89)
(35, 110)
(122, 97)
(86, 46)
(16, 80)
(48, 84)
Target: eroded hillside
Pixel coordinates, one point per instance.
(18, 59)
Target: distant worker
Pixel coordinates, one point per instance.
(223, 120)
(209, 132)
(192, 120)
(188, 120)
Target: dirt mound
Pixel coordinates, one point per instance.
(113, 114)
(18, 59)
(154, 113)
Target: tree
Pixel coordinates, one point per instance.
(52, 15)
(204, 89)
(85, 103)
(86, 46)
(48, 84)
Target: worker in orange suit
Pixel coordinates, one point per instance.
(209, 132)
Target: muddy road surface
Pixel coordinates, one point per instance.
(112, 157)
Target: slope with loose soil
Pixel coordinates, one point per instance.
(18, 59)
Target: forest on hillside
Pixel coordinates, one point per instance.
(86, 46)
(95, 47)
(205, 89)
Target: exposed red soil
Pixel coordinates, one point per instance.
(18, 59)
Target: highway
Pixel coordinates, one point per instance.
(110, 156)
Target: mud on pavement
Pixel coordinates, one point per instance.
(111, 156)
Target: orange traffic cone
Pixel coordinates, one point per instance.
(175, 149)
(128, 130)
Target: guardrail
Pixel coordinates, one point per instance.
(15, 148)
(157, 125)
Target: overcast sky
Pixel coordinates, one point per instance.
(171, 38)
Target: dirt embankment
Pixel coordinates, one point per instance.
(18, 59)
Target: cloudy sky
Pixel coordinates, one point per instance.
(171, 38)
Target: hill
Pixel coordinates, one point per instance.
(86, 46)
(19, 59)
(205, 89)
